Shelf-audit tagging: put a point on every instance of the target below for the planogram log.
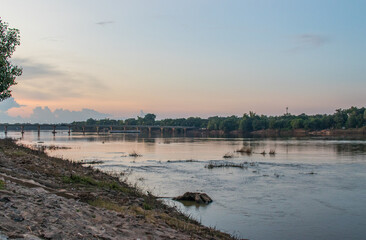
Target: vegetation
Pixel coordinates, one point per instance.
(2, 184)
(342, 119)
(212, 165)
(228, 155)
(86, 180)
(134, 154)
(246, 150)
(9, 39)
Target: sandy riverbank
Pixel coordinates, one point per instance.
(42, 197)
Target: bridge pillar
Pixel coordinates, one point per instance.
(124, 128)
(162, 130)
(111, 128)
(39, 129)
(185, 131)
(69, 130)
(137, 128)
(5, 129)
(173, 131)
(22, 129)
(54, 129)
(149, 130)
(97, 129)
(83, 129)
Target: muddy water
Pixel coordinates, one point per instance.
(310, 189)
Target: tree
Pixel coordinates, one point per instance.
(9, 39)
(149, 119)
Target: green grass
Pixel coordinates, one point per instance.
(15, 153)
(88, 181)
(108, 205)
(2, 184)
(146, 206)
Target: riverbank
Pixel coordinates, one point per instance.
(43, 197)
(353, 132)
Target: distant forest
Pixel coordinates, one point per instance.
(342, 119)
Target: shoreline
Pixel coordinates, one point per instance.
(43, 197)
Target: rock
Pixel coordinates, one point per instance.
(194, 197)
(5, 200)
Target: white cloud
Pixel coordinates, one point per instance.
(46, 115)
(8, 104)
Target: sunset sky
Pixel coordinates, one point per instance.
(186, 58)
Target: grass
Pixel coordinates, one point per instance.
(86, 180)
(108, 205)
(212, 165)
(15, 153)
(2, 184)
(91, 162)
(146, 206)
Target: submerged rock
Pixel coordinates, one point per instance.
(194, 197)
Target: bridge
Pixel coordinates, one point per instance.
(91, 128)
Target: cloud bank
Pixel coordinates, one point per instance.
(46, 115)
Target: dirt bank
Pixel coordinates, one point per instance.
(42, 197)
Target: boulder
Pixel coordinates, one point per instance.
(194, 197)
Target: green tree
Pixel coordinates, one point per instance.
(9, 39)
(149, 119)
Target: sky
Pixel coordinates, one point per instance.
(203, 58)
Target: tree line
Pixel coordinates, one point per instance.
(342, 119)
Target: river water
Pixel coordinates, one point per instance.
(310, 189)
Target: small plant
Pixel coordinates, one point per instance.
(263, 153)
(2, 184)
(228, 155)
(54, 147)
(91, 162)
(79, 179)
(272, 152)
(135, 154)
(146, 206)
(246, 150)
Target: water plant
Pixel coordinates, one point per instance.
(135, 154)
(245, 149)
(228, 155)
(212, 165)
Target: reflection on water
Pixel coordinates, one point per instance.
(309, 189)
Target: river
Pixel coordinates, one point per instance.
(311, 188)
